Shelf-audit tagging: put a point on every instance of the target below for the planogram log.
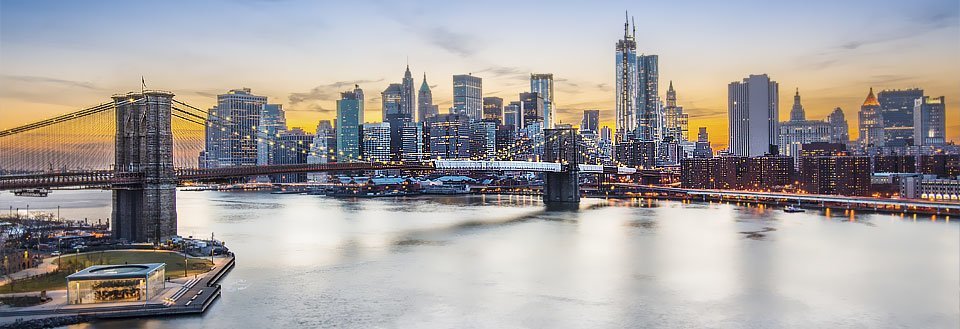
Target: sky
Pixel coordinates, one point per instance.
(61, 56)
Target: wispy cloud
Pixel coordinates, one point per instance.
(505, 72)
(443, 37)
(49, 81)
(327, 92)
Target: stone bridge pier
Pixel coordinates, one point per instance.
(561, 190)
(145, 211)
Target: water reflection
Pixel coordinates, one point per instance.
(504, 261)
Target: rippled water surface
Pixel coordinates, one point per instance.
(504, 262)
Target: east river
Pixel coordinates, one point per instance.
(503, 262)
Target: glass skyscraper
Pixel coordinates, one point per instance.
(753, 109)
(467, 96)
(896, 108)
(231, 138)
(929, 121)
(425, 107)
(648, 99)
(626, 83)
(543, 84)
(349, 119)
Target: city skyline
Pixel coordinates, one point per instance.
(835, 61)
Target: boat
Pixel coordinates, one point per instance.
(37, 192)
(792, 209)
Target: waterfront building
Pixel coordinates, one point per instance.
(322, 149)
(542, 84)
(702, 148)
(940, 165)
(349, 118)
(648, 99)
(871, 132)
(823, 149)
(425, 106)
(930, 187)
(483, 140)
(753, 109)
(838, 175)
(764, 173)
(675, 121)
(272, 122)
(506, 139)
(896, 108)
(449, 136)
(116, 283)
(467, 96)
(232, 135)
(376, 142)
(590, 121)
(493, 109)
(627, 80)
(929, 121)
(894, 164)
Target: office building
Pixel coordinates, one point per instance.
(840, 130)
(493, 109)
(871, 133)
(940, 165)
(627, 80)
(896, 108)
(648, 102)
(412, 146)
(407, 96)
(636, 153)
(467, 96)
(292, 147)
(272, 122)
(511, 114)
(894, 164)
(590, 121)
(425, 106)
(376, 142)
(702, 148)
(929, 121)
(232, 135)
(349, 119)
(531, 109)
(483, 140)
(798, 131)
(542, 84)
(449, 136)
(675, 121)
(753, 110)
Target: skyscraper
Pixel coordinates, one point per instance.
(896, 107)
(376, 142)
(493, 109)
(871, 123)
(483, 140)
(511, 114)
(791, 135)
(391, 100)
(753, 109)
(349, 117)
(702, 148)
(238, 115)
(543, 84)
(840, 129)
(425, 107)
(590, 121)
(796, 112)
(648, 99)
(531, 109)
(449, 136)
(272, 122)
(467, 96)
(626, 83)
(929, 121)
(675, 121)
(407, 96)
(393, 105)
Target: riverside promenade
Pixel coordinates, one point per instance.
(194, 297)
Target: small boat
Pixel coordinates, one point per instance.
(792, 209)
(36, 192)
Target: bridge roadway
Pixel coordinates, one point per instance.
(919, 203)
(106, 178)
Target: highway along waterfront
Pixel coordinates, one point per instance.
(306, 261)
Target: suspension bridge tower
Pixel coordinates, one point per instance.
(144, 211)
(561, 190)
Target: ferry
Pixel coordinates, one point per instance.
(792, 209)
(36, 192)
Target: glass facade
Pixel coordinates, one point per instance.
(143, 283)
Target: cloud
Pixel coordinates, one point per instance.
(506, 72)
(327, 92)
(701, 113)
(461, 44)
(53, 81)
(315, 108)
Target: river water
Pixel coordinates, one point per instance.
(504, 262)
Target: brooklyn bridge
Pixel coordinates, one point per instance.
(142, 145)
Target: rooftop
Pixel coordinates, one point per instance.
(125, 271)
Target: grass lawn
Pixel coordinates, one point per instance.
(73, 263)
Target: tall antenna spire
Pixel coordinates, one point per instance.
(634, 34)
(626, 23)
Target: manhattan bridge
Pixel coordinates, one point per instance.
(142, 145)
